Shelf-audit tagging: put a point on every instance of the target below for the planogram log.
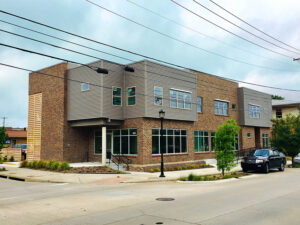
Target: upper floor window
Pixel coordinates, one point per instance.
(85, 86)
(180, 99)
(221, 108)
(117, 96)
(279, 113)
(254, 111)
(158, 95)
(131, 96)
(199, 104)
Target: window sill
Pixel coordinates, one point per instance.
(203, 152)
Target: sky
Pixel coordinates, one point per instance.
(199, 45)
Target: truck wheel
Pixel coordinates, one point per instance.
(266, 168)
(281, 168)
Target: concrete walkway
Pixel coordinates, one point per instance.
(31, 175)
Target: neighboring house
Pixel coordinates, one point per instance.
(281, 108)
(118, 113)
(16, 145)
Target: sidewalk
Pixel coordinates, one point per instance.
(31, 175)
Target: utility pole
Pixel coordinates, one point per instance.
(4, 118)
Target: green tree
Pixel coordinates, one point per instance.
(225, 139)
(277, 97)
(3, 137)
(286, 135)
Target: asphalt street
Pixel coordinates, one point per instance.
(258, 199)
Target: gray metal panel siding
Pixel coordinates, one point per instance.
(87, 104)
(249, 96)
(136, 79)
(174, 78)
(113, 78)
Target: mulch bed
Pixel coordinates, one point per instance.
(93, 170)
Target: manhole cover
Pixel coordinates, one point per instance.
(165, 199)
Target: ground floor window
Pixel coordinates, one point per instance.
(212, 141)
(265, 140)
(121, 141)
(236, 142)
(201, 141)
(174, 141)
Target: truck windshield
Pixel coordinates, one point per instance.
(261, 153)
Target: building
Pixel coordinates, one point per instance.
(281, 108)
(16, 145)
(78, 118)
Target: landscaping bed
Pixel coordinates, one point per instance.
(193, 177)
(93, 170)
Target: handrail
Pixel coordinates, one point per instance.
(120, 159)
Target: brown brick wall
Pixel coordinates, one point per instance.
(245, 141)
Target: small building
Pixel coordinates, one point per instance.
(281, 108)
(79, 114)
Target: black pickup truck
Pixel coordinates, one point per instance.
(263, 159)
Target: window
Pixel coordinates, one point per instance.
(180, 99)
(278, 113)
(254, 111)
(85, 86)
(98, 142)
(221, 108)
(265, 140)
(201, 141)
(125, 141)
(158, 95)
(249, 135)
(131, 96)
(199, 104)
(236, 142)
(117, 96)
(212, 141)
(174, 141)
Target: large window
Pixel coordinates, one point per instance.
(265, 140)
(180, 99)
(158, 95)
(124, 141)
(212, 141)
(117, 96)
(236, 142)
(221, 108)
(131, 96)
(201, 141)
(279, 113)
(85, 86)
(199, 104)
(174, 141)
(254, 111)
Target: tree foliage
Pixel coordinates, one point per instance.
(225, 139)
(286, 135)
(277, 97)
(3, 137)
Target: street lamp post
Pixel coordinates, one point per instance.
(161, 116)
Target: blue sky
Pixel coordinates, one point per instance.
(278, 18)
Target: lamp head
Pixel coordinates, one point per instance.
(162, 114)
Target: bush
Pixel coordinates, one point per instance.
(64, 166)
(197, 166)
(227, 176)
(151, 170)
(5, 159)
(2, 169)
(42, 164)
(170, 169)
(11, 159)
(157, 170)
(35, 164)
(185, 167)
(191, 177)
(178, 168)
(23, 164)
(54, 165)
(193, 166)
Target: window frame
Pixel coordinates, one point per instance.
(277, 113)
(265, 136)
(82, 84)
(254, 111)
(218, 108)
(131, 96)
(162, 96)
(116, 96)
(198, 136)
(249, 136)
(183, 100)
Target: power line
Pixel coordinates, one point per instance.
(203, 6)
(239, 18)
(198, 32)
(151, 58)
(228, 31)
(184, 42)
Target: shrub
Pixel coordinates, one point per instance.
(178, 168)
(35, 164)
(157, 170)
(54, 165)
(185, 167)
(191, 177)
(227, 176)
(42, 164)
(193, 166)
(170, 169)
(5, 159)
(24, 163)
(197, 166)
(2, 169)
(151, 170)
(64, 166)
(11, 159)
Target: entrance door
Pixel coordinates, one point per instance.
(108, 145)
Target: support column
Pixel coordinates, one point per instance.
(103, 146)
